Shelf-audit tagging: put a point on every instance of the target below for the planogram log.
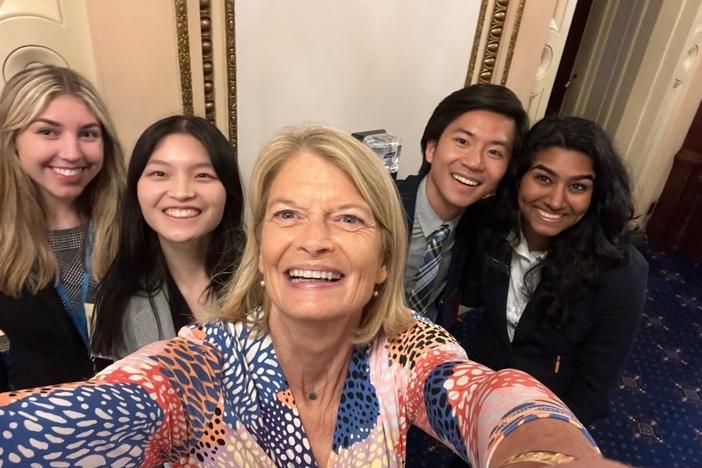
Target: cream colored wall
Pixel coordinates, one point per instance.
(355, 65)
(136, 62)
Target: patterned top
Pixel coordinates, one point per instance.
(216, 395)
(67, 245)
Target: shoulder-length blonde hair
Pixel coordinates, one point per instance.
(386, 312)
(27, 259)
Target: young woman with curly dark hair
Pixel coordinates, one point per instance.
(561, 286)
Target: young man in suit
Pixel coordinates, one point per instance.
(467, 145)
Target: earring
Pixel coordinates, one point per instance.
(376, 290)
(263, 284)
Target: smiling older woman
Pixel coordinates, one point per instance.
(318, 363)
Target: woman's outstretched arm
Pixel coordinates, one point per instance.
(142, 411)
(486, 416)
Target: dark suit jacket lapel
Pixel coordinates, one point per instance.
(527, 323)
(496, 285)
(408, 195)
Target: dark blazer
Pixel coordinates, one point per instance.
(45, 347)
(578, 362)
(448, 300)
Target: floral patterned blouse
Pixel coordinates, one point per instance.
(216, 395)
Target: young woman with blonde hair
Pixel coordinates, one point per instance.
(61, 174)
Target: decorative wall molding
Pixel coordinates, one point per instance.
(495, 39)
(207, 59)
(230, 29)
(476, 41)
(22, 57)
(186, 87)
(497, 23)
(40, 9)
(513, 41)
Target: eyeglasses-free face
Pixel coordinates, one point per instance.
(179, 192)
(321, 249)
(61, 149)
(554, 194)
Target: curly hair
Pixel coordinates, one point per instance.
(578, 255)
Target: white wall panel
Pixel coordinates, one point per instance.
(356, 65)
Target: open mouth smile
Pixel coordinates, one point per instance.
(67, 171)
(465, 180)
(181, 213)
(297, 274)
(549, 216)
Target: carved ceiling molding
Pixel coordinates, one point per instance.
(494, 41)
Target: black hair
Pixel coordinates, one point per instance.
(578, 255)
(482, 96)
(139, 266)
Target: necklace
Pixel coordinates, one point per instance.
(312, 395)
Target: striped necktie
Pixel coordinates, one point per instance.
(425, 278)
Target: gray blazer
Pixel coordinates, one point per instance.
(147, 319)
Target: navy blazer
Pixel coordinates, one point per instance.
(45, 347)
(580, 361)
(448, 300)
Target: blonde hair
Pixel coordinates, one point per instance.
(27, 259)
(385, 312)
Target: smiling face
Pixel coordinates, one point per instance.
(179, 192)
(61, 149)
(321, 250)
(554, 194)
(468, 161)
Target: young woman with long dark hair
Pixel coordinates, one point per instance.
(561, 286)
(180, 236)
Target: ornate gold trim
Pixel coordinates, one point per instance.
(207, 59)
(186, 87)
(476, 42)
(231, 70)
(513, 41)
(497, 23)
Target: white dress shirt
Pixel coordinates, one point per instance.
(518, 293)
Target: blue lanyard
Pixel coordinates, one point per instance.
(76, 310)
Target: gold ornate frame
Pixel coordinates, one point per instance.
(490, 60)
(186, 87)
(231, 70)
(490, 36)
(207, 59)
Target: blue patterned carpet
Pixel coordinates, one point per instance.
(655, 415)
